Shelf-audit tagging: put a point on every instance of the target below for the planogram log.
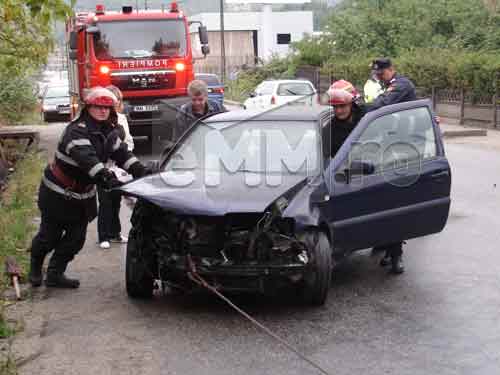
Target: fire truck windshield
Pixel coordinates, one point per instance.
(140, 39)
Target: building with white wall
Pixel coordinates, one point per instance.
(254, 34)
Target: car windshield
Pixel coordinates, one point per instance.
(57, 92)
(295, 88)
(140, 39)
(279, 147)
(210, 80)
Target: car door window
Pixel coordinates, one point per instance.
(396, 140)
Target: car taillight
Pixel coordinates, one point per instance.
(273, 100)
(218, 90)
(180, 67)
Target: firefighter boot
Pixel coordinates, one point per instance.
(35, 275)
(59, 280)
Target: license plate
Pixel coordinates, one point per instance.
(145, 108)
(63, 110)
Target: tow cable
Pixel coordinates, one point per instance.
(197, 279)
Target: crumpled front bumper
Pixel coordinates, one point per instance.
(263, 277)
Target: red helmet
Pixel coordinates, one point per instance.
(101, 97)
(342, 92)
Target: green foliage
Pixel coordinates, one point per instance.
(25, 41)
(442, 43)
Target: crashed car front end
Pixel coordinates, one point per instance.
(257, 252)
(244, 227)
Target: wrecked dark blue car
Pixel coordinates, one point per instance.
(255, 202)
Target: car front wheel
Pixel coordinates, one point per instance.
(318, 276)
(138, 273)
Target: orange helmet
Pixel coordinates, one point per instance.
(342, 92)
(101, 97)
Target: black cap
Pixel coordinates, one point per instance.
(381, 64)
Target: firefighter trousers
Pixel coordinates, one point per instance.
(65, 238)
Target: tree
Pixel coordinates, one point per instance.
(26, 30)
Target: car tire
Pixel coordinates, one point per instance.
(45, 118)
(139, 279)
(318, 276)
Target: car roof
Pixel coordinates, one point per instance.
(285, 113)
(277, 81)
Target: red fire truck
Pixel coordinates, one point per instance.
(145, 53)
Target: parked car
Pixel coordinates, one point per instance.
(215, 86)
(269, 94)
(55, 103)
(282, 212)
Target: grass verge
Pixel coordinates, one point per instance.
(18, 208)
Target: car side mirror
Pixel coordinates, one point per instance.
(356, 168)
(73, 40)
(202, 31)
(205, 49)
(252, 95)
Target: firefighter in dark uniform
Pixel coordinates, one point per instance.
(344, 99)
(67, 194)
(398, 89)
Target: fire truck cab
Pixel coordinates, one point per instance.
(145, 53)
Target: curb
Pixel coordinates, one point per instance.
(465, 133)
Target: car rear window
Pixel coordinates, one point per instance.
(209, 79)
(295, 88)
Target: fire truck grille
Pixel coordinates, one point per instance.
(144, 80)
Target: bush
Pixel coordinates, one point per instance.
(17, 97)
(443, 68)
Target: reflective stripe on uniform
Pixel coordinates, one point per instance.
(117, 144)
(77, 142)
(96, 169)
(129, 162)
(65, 158)
(68, 193)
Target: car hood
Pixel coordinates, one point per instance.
(237, 193)
(56, 101)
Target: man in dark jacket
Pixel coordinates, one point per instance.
(67, 195)
(199, 106)
(348, 112)
(399, 89)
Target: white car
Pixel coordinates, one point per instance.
(269, 94)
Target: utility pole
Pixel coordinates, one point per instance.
(222, 46)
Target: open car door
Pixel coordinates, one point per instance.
(390, 181)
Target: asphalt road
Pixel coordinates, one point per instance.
(440, 317)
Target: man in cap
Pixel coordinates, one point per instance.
(343, 97)
(399, 89)
(67, 194)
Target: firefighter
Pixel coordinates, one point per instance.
(399, 89)
(344, 98)
(199, 106)
(67, 194)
